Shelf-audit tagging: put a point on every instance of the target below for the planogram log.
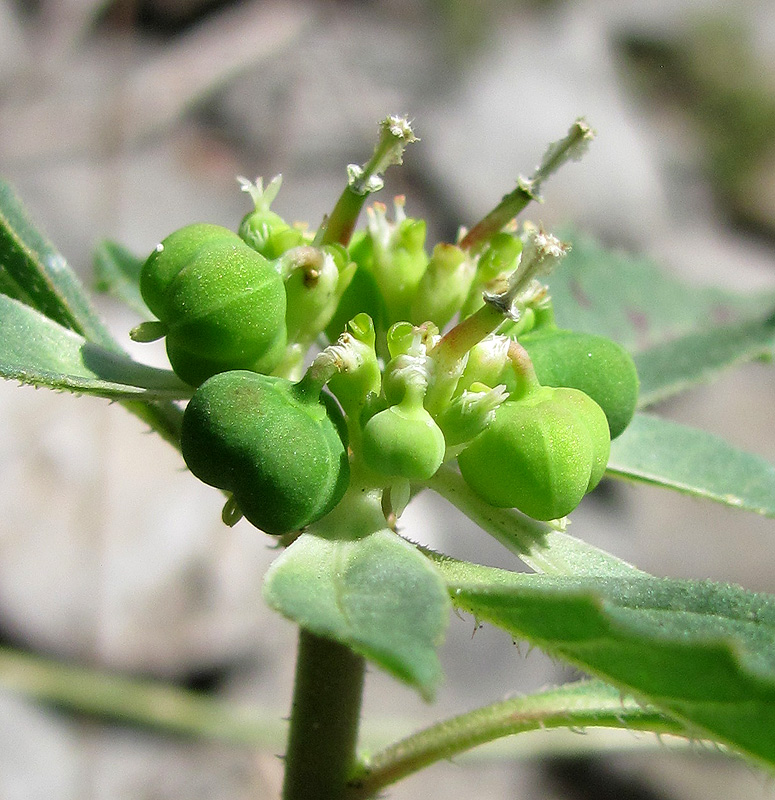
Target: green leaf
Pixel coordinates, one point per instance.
(675, 366)
(10, 287)
(629, 299)
(36, 350)
(700, 651)
(117, 272)
(378, 595)
(42, 273)
(664, 453)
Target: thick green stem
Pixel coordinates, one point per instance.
(324, 719)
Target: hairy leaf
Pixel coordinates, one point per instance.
(42, 273)
(376, 594)
(36, 350)
(629, 299)
(664, 453)
(700, 651)
(675, 366)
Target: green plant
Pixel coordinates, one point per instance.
(541, 453)
(692, 658)
(595, 365)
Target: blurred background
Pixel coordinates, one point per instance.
(130, 118)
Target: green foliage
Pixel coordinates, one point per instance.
(415, 402)
(32, 270)
(117, 272)
(630, 300)
(376, 593)
(36, 350)
(664, 453)
(703, 652)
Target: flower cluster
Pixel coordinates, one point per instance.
(427, 357)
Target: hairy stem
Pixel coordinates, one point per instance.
(324, 719)
(580, 705)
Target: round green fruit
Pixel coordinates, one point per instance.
(404, 441)
(540, 454)
(222, 303)
(281, 453)
(593, 364)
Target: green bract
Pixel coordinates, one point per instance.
(597, 366)
(222, 303)
(540, 454)
(278, 450)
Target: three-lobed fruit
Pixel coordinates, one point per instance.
(595, 365)
(222, 303)
(280, 452)
(541, 453)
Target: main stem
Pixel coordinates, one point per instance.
(324, 719)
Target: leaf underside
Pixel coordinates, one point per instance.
(35, 272)
(698, 357)
(377, 594)
(630, 300)
(36, 350)
(664, 453)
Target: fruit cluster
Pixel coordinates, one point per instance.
(527, 409)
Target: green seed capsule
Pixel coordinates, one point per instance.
(280, 452)
(540, 454)
(593, 364)
(222, 303)
(593, 417)
(403, 441)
